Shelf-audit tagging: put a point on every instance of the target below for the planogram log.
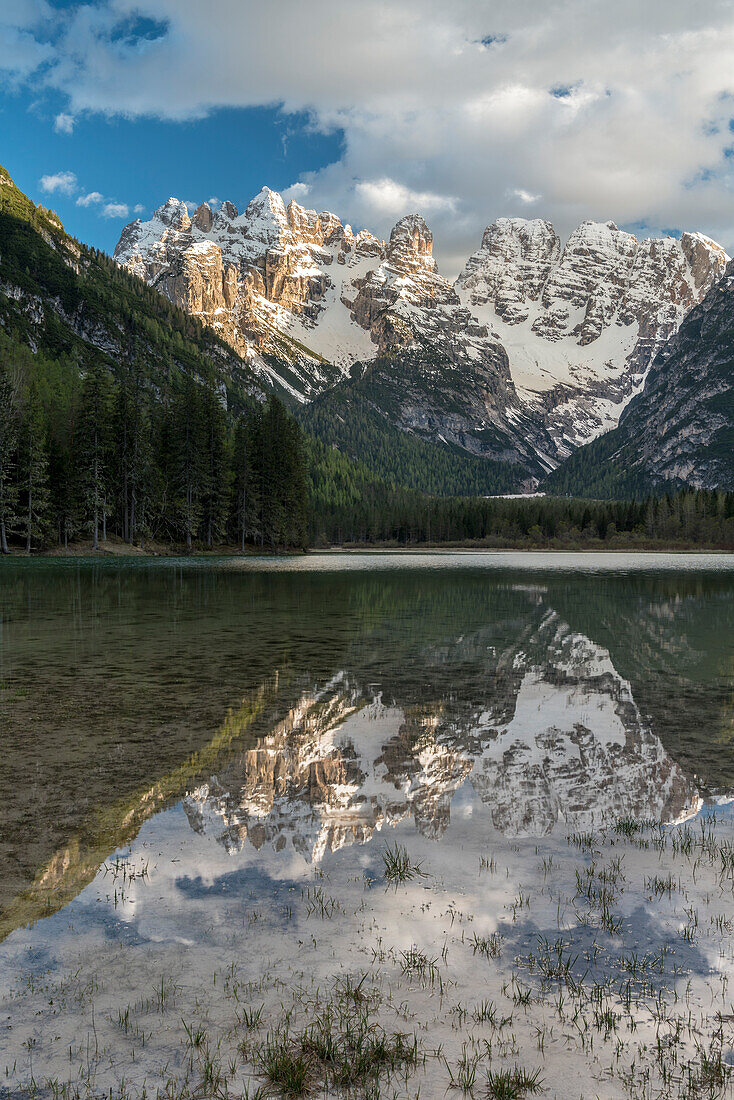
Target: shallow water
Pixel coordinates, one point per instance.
(248, 737)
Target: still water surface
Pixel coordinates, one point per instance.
(232, 725)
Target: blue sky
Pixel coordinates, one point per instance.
(465, 112)
(140, 162)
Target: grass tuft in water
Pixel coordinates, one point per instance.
(513, 1084)
(285, 1065)
(399, 867)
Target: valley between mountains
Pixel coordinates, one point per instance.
(273, 379)
(535, 350)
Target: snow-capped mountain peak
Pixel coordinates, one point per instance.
(568, 332)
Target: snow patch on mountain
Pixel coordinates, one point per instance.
(581, 324)
(552, 336)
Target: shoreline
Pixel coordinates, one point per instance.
(114, 548)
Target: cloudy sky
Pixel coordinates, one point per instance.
(465, 111)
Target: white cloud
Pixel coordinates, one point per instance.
(298, 191)
(387, 196)
(64, 124)
(21, 49)
(523, 196)
(65, 183)
(604, 110)
(90, 199)
(214, 202)
(115, 210)
(138, 208)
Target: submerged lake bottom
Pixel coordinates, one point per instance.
(356, 826)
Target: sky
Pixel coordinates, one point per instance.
(463, 111)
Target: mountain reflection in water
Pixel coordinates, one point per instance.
(308, 707)
(555, 737)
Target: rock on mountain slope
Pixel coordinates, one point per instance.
(61, 298)
(680, 429)
(534, 350)
(260, 277)
(581, 324)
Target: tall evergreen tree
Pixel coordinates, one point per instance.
(245, 478)
(63, 489)
(33, 463)
(133, 447)
(93, 442)
(188, 457)
(280, 478)
(9, 400)
(216, 476)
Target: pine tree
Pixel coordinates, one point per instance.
(279, 476)
(187, 457)
(94, 439)
(133, 446)
(242, 479)
(9, 425)
(33, 462)
(9, 394)
(63, 490)
(215, 467)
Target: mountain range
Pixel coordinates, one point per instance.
(536, 349)
(680, 429)
(600, 368)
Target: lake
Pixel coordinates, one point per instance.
(367, 824)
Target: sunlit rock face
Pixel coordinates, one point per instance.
(557, 740)
(271, 272)
(407, 278)
(534, 346)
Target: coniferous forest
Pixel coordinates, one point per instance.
(89, 456)
(86, 456)
(348, 507)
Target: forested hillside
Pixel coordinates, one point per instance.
(345, 417)
(84, 455)
(120, 412)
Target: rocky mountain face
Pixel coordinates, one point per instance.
(534, 350)
(680, 429)
(581, 324)
(61, 298)
(263, 279)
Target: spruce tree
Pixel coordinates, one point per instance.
(215, 467)
(63, 489)
(132, 430)
(242, 478)
(33, 462)
(93, 440)
(188, 457)
(9, 394)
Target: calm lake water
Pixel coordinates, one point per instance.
(191, 749)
